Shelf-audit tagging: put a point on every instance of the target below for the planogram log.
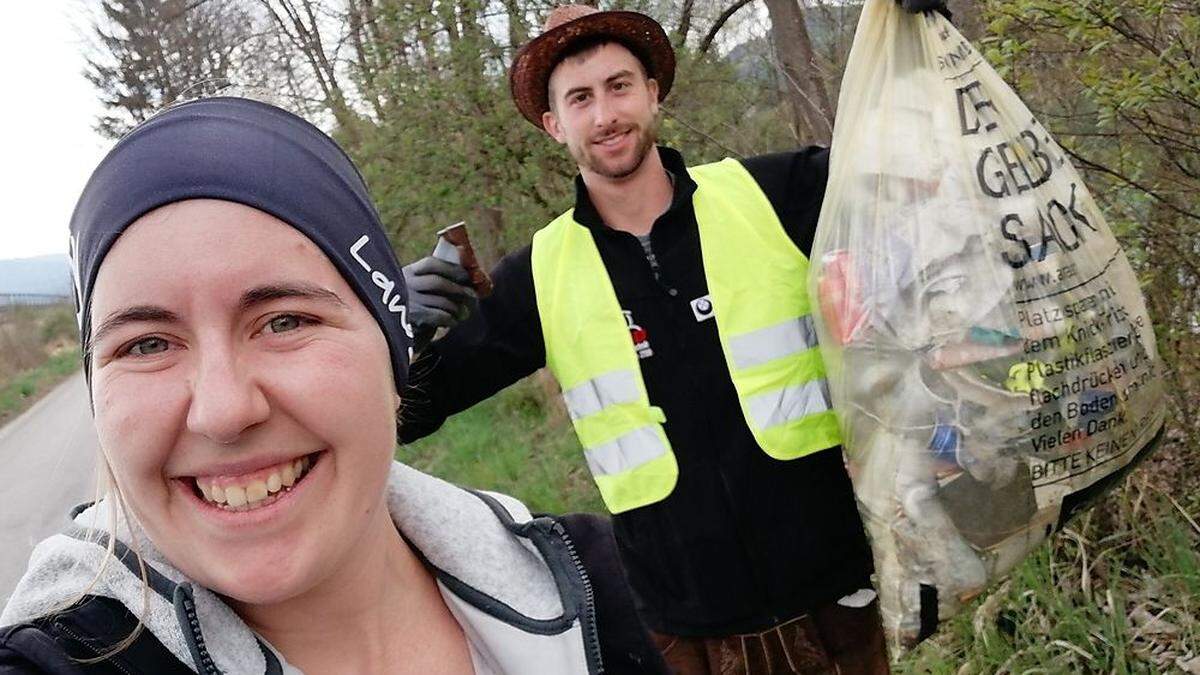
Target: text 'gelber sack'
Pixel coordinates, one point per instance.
(987, 344)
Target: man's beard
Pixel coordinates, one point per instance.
(646, 136)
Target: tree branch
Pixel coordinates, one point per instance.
(720, 23)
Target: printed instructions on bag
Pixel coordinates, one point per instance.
(1089, 362)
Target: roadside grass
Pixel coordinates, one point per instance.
(37, 351)
(27, 386)
(512, 443)
(1117, 591)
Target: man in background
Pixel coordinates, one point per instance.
(671, 305)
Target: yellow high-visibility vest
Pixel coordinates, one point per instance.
(757, 282)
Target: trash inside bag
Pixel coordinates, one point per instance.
(987, 345)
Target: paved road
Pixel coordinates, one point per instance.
(47, 465)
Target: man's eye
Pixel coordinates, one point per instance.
(147, 346)
(284, 323)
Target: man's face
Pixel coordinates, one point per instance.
(604, 108)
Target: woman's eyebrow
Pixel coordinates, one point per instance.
(254, 296)
(268, 292)
(131, 315)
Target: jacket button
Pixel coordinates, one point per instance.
(672, 292)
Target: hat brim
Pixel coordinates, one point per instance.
(529, 77)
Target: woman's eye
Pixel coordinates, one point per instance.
(148, 346)
(284, 323)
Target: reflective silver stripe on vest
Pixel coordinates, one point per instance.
(790, 403)
(773, 342)
(626, 452)
(589, 398)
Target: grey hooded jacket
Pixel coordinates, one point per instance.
(514, 582)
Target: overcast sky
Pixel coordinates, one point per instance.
(47, 109)
(46, 114)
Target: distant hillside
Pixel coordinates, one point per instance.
(47, 274)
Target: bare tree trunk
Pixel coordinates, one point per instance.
(299, 24)
(424, 21)
(369, 51)
(802, 83)
(968, 18)
(518, 28)
(685, 23)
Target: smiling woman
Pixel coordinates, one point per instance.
(220, 323)
(244, 344)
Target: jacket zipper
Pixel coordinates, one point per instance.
(206, 665)
(588, 615)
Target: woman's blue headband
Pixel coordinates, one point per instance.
(255, 154)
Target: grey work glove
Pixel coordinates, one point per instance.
(439, 295)
(918, 6)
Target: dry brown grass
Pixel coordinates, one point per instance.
(1117, 591)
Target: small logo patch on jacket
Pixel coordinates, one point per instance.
(641, 340)
(702, 308)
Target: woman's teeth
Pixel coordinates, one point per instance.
(251, 494)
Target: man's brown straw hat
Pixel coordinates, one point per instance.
(566, 25)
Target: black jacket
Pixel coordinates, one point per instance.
(57, 643)
(744, 541)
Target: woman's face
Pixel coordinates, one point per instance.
(232, 363)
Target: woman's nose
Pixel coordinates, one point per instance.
(226, 401)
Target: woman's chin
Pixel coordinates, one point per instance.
(268, 583)
(272, 593)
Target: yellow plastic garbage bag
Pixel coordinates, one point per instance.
(987, 344)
